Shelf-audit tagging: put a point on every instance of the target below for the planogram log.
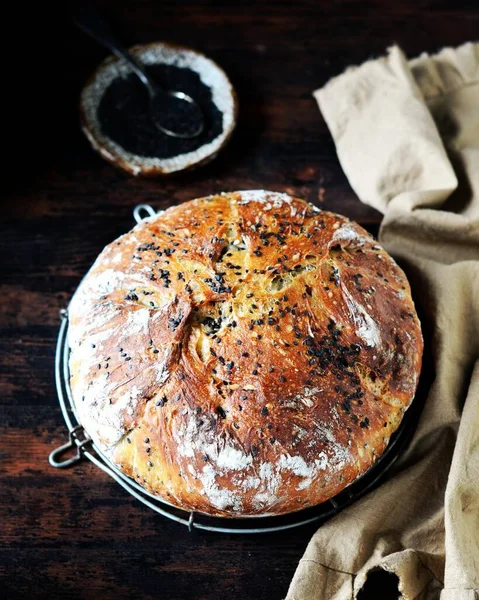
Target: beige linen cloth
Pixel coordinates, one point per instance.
(407, 136)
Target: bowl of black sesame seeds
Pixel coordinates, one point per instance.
(115, 116)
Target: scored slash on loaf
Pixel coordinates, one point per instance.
(244, 354)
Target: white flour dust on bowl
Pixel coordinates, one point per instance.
(118, 126)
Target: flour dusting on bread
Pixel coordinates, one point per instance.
(248, 354)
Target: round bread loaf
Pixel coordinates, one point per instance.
(244, 354)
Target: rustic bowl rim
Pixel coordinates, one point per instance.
(112, 152)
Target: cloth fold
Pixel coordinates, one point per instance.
(407, 137)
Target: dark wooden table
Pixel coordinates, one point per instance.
(75, 533)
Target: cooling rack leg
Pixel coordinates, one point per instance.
(73, 442)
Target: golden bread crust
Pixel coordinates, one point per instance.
(244, 354)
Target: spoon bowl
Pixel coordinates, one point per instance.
(176, 114)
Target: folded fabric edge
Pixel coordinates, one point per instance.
(405, 131)
(336, 584)
(413, 575)
(465, 57)
(446, 71)
(458, 594)
(394, 57)
(322, 582)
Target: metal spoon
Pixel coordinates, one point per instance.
(174, 113)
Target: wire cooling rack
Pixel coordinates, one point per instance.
(82, 446)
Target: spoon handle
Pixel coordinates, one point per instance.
(92, 23)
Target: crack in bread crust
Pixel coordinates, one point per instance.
(244, 354)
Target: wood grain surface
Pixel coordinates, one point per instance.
(74, 533)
